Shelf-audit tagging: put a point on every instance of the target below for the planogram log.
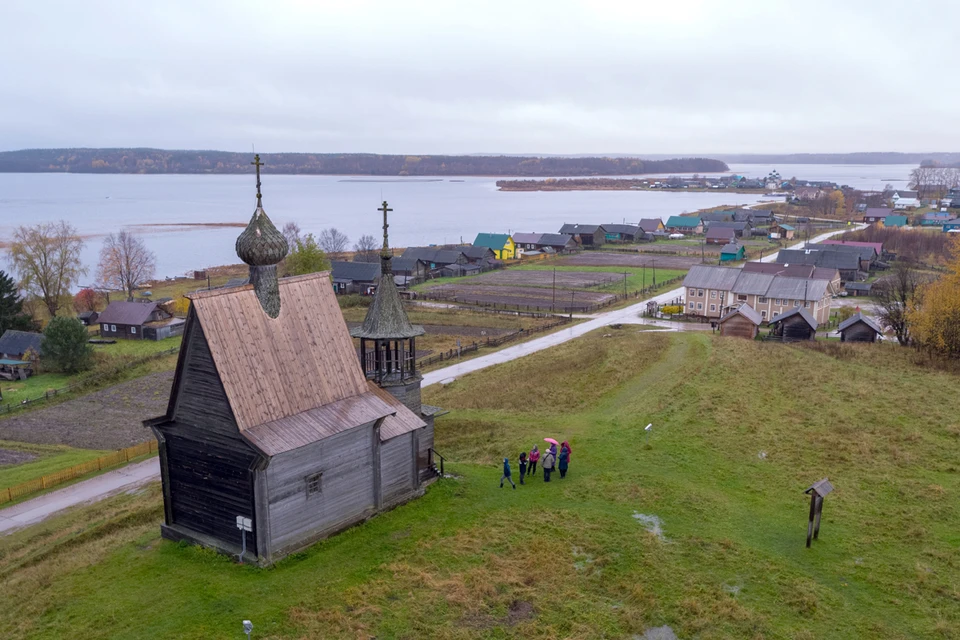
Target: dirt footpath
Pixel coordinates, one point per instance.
(106, 419)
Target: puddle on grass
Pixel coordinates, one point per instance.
(651, 523)
(658, 633)
(583, 561)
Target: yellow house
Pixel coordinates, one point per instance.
(501, 244)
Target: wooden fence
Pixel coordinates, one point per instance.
(85, 381)
(77, 471)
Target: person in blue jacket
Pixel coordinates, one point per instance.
(506, 473)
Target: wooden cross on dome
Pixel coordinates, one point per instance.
(385, 209)
(256, 162)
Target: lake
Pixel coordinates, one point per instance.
(426, 211)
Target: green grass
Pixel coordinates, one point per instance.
(50, 458)
(455, 563)
(136, 348)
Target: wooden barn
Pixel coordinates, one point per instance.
(743, 321)
(859, 328)
(271, 420)
(795, 324)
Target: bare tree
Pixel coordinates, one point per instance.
(365, 249)
(46, 259)
(125, 262)
(333, 241)
(894, 295)
(291, 231)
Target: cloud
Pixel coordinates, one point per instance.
(516, 77)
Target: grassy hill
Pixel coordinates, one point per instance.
(740, 429)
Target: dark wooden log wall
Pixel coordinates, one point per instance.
(796, 328)
(738, 327)
(210, 485)
(425, 443)
(859, 332)
(398, 468)
(347, 496)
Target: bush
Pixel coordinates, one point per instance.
(65, 347)
(671, 309)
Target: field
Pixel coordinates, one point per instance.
(21, 462)
(700, 528)
(530, 297)
(106, 419)
(547, 277)
(636, 260)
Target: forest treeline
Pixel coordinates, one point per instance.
(162, 161)
(877, 157)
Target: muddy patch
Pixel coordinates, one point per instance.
(12, 456)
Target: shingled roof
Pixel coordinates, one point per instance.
(386, 318)
(803, 313)
(859, 317)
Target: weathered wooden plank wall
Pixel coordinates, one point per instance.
(347, 493)
(396, 465)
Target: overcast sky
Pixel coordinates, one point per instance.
(595, 76)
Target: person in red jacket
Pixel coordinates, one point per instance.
(532, 459)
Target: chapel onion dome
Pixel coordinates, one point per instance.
(261, 243)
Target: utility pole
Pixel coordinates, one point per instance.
(554, 307)
(654, 260)
(624, 285)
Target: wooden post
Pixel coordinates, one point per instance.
(813, 510)
(816, 526)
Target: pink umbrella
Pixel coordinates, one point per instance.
(551, 441)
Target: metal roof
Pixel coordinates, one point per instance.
(746, 311)
(753, 283)
(435, 255)
(18, 342)
(476, 252)
(720, 233)
(732, 247)
(710, 277)
(877, 212)
(629, 229)
(803, 313)
(495, 241)
(574, 229)
(555, 239)
(527, 238)
(133, 313)
(739, 226)
(859, 317)
(650, 224)
(797, 288)
(356, 271)
(684, 221)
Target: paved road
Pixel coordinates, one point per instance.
(132, 476)
(105, 485)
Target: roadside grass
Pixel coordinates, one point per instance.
(135, 348)
(50, 458)
(572, 559)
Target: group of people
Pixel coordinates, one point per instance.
(551, 460)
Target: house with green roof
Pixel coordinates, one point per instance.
(685, 224)
(895, 221)
(732, 252)
(501, 244)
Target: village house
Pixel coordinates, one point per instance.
(807, 193)
(859, 328)
(355, 277)
(651, 225)
(742, 229)
(952, 226)
(895, 221)
(685, 225)
(875, 214)
(906, 203)
(732, 252)
(479, 255)
(586, 235)
(138, 321)
(276, 435)
(410, 269)
(88, 318)
(852, 262)
(717, 216)
(623, 232)
(720, 235)
(795, 324)
(711, 291)
(758, 217)
(526, 241)
(557, 242)
(20, 346)
(500, 243)
(436, 257)
(742, 321)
